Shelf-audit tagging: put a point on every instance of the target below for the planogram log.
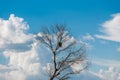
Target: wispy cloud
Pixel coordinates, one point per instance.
(86, 44)
(111, 29)
(118, 49)
(106, 62)
(88, 37)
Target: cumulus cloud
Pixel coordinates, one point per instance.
(19, 49)
(110, 74)
(111, 29)
(13, 31)
(21, 65)
(21, 52)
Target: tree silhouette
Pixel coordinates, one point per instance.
(68, 55)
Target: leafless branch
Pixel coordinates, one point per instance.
(58, 40)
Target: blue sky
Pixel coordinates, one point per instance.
(82, 15)
(91, 21)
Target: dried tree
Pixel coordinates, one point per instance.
(66, 51)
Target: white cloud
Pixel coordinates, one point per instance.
(78, 66)
(110, 74)
(19, 48)
(21, 52)
(107, 63)
(88, 37)
(86, 75)
(111, 29)
(49, 69)
(21, 64)
(113, 71)
(87, 45)
(13, 31)
(118, 49)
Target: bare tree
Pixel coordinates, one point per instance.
(66, 52)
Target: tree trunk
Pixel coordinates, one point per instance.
(51, 78)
